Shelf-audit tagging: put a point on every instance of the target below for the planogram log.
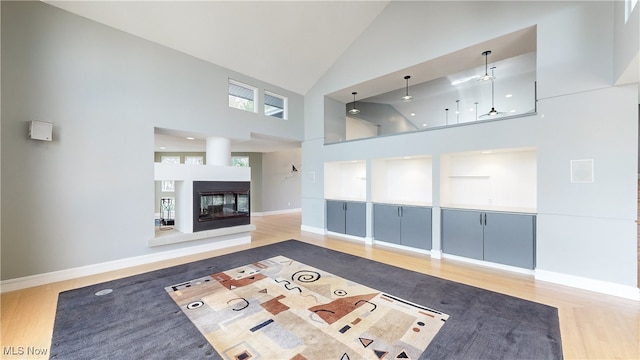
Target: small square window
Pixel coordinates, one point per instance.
(194, 160)
(241, 161)
(242, 96)
(275, 105)
(170, 159)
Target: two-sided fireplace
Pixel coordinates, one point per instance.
(218, 204)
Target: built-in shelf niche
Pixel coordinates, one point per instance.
(504, 179)
(406, 180)
(345, 180)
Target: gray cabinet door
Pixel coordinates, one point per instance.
(356, 219)
(509, 239)
(462, 233)
(386, 223)
(416, 227)
(335, 216)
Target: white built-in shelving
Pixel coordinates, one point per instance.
(404, 180)
(345, 180)
(501, 180)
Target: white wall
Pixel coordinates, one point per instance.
(282, 186)
(578, 224)
(358, 129)
(88, 196)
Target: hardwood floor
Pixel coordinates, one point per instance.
(593, 326)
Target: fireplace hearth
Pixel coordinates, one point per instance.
(219, 204)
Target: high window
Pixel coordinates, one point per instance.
(242, 96)
(275, 105)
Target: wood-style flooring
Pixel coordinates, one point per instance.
(593, 326)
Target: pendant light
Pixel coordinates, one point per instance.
(407, 97)
(353, 110)
(493, 111)
(486, 76)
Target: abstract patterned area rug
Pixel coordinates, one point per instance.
(279, 308)
(136, 318)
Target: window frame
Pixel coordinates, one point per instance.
(245, 86)
(285, 105)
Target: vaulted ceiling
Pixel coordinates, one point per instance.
(290, 44)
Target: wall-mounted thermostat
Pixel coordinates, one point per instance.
(40, 130)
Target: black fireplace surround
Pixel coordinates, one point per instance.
(219, 204)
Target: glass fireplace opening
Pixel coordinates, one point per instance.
(219, 204)
(223, 205)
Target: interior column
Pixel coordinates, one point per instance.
(218, 151)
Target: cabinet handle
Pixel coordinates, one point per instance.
(344, 206)
(485, 219)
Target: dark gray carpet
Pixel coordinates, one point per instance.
(139, 320)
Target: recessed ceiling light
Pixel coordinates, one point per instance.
(424, 125)
(487, 152)
(413, 114)
(190, 138)
(508, 95)
(513, 110)
(162, 147)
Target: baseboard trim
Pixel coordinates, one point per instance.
(599, 286)
(313, 229)
(346, 236)
(77, 272)
(401, 247)
(276, 212)
(489, 264)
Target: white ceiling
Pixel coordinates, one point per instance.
(290, 44)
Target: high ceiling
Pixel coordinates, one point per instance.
(290, 44)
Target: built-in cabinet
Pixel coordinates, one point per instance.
(487, 201)
(347, 217)
(403, 225)
(503, 238)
